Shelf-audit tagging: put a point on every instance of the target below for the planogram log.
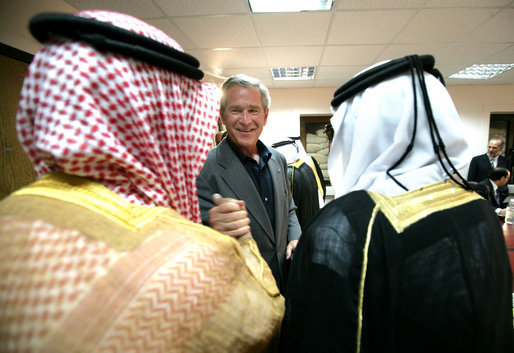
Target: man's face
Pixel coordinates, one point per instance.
(493, 148)
(244, 117)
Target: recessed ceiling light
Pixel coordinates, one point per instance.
(482, 72)
(293, 73)
(289, 5)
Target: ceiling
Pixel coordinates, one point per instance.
(224, 35)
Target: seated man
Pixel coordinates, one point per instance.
(404, 259)
(105, 253)
(481, 165)
(489, 188)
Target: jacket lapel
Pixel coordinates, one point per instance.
(280, 193)
(239, 182)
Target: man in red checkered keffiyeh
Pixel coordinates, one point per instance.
(142, 131)
(103, 252)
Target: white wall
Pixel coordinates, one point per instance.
(474, 104)
(286, 107)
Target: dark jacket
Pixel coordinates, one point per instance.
(223, 173)
(486, 190)
(426, 271)
(480, 167)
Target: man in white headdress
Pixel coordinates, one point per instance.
(307, 184)
(405, 259)
(104, 252)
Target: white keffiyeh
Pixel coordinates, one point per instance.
(373, 129)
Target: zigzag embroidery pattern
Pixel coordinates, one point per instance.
(175, 303)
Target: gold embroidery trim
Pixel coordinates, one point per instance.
(404, 210)
(363, 276)
(93, 196)
(313, 167)
(310, 163)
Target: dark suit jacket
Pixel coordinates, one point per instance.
(486, 190)
(223, 173)
(480, 167)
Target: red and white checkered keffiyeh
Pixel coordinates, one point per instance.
(140, 130)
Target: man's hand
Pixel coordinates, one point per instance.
(291, 247)
(229, 216)
(502, 212)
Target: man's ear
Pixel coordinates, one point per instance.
(266, 116)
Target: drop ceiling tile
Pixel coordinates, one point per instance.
(202, 7)
(466, 3)
(136, 8)
(340, 73)
(357, 32)
(173, 31)
(234, 58)
(378, 4)
(293, 56)
(263, 73)
(332, 83)
(219, 31)
(305, 28)
(351, 54)
(430, 26)
(444, 53)
(498, 28)
(367, 27)
(505, 56)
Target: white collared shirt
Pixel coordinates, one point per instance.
(495, 187)
(494, 161)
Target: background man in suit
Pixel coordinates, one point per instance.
(242, 167)
(481, 165)
(489, 188)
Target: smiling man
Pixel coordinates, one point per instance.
(481, 165)
(241, 167)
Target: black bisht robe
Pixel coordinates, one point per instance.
(426, 271)
(305, 188)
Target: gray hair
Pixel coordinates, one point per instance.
(244, 81)
(502, 143)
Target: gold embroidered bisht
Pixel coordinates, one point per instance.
(425, 271)
(83, 270)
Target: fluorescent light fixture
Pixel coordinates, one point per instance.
(482, 72)
(293, 73)
(257, 6)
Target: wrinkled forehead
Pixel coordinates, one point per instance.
(494, 143)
